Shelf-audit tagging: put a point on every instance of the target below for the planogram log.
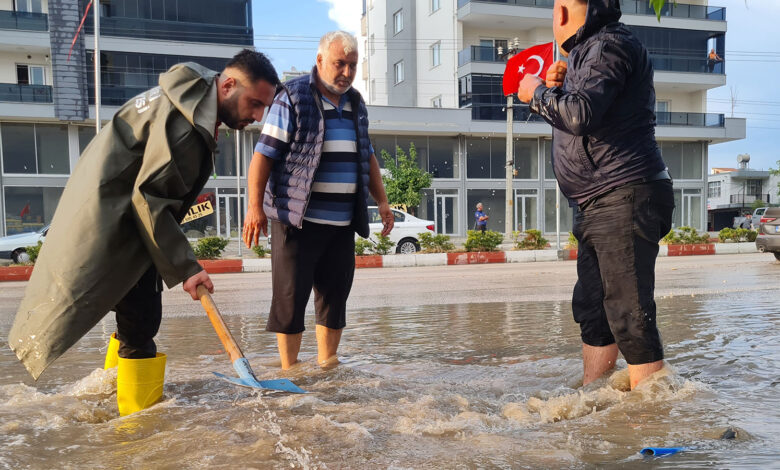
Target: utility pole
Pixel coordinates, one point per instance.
(96, 60)
(512, 49)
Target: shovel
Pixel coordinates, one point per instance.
(246, 378)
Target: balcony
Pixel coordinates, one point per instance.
(496, 112)
(15, 93)
(478, 54)
(690, 119)
(173, 31)
(114, 95)
(24, 21)
(746, 199)
(672, 10)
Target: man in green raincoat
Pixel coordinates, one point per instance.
(116, 230)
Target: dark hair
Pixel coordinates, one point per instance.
(255, 65)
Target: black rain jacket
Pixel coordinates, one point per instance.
(603, 119)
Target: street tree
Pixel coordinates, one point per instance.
(403, 178)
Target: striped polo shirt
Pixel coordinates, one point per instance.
(332, 199)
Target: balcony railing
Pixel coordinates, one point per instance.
(112, 95)
(748, 198)
(16, 93)
(522, 3)
(674, 10)
(24, 21)
(630, 7)
(173, 30)
(496, 112)
(690, 119)
(661, 62)
(478, 54)
(676, 63)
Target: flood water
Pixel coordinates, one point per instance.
(447, 386)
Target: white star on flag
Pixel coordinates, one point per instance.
(521, 69)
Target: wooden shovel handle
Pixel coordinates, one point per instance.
(219, 325)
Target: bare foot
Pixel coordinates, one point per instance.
(329, 363)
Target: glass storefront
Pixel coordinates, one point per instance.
(28, 209)
(493, 205)
(35, 149)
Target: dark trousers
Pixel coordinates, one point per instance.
(618, 236)
(138, 317)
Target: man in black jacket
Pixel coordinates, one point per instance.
(601, 106)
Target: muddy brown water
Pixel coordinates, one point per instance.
(494, 385)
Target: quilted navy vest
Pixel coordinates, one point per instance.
(289, 185)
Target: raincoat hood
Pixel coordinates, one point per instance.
(599, 14)
(190, 89)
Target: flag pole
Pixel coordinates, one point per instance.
(509, 196)
(96, 60)
(557, 186)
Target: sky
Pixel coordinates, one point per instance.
(290, 36)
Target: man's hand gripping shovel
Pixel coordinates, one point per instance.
(246, 378)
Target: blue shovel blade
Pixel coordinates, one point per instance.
(246, 378)
(283, 385)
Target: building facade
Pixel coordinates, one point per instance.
(47, 99)
(734, 192)
(433, 70)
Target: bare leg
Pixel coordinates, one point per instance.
(327, 345)
(640, 372)
(596, 360)
(289, 346)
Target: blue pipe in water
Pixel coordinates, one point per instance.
(660, 451)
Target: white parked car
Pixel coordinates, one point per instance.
(405, 230)
(13, 247)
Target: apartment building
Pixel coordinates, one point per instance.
(433, 71)
(47, 98)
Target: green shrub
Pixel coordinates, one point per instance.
(726, 234)
(362, 246)
(737, 235)
(32, 251)
(383, 245)
(210, 247)
(685, 236)
(260, 251)
(478, 240)
(438, 243)
(529, 240)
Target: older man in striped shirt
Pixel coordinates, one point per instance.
(311, 174)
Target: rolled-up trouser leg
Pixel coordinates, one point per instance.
(138, 317)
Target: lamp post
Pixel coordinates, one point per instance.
(512, 48)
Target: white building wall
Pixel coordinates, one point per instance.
(434, 81)
(378, 79)
(8, 61)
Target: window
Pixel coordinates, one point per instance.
(398, 21)
(684, 159)
(436, 102)
(526, 159)
(35, 149)
(373, 90)
(399, 72)
(713, 189)
(436, 54)
(443, 161)
(663, 106)
(567, 213)
(29, 6)
(493, 205)
(435, 5)
(753, 187)
(371, 44)
(30, 74)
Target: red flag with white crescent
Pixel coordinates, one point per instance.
(534, 60)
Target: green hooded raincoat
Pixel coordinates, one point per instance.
(119, 213)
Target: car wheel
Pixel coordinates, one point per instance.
(20, 256)
(407, 246)
(777, 255)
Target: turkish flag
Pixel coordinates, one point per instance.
(534, 60)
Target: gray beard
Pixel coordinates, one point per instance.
(333, 89)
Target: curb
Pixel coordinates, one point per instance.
(263, 265)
